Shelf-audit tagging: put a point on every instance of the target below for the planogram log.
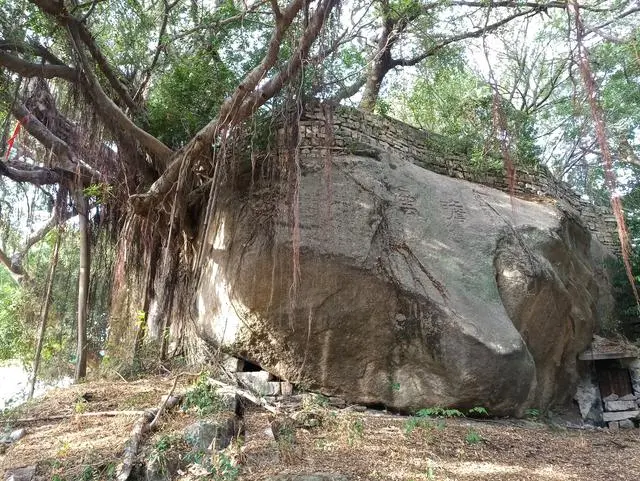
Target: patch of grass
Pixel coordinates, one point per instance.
(63, 450)
(222, 468)
(354, 429)
(88, 474)
(284, 432)
(80, 406)
(416, 422)
(218, 466)
(473, 437)
(160, 449)
(532, 413)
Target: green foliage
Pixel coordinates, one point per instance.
(222, 468)
(161, 447)
(477, 411)
(188, 96)
(219, 466)
(355, 430)
(202, 397)
(449, 99)
(439, 412)
(473, 437)
(313, 401)
(532, 413)
(416, 422)
(98, 193)
(80, 406)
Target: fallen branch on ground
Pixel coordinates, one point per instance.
(145, 423)
(58, 417)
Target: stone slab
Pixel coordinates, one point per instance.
(627, 424)
(286, 388)
(232, 364)
(273, 389)
(25, 473)
(614, 425)
(620, 405)
(257, 381)
(619, 416)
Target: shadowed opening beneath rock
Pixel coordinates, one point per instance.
(249, 366)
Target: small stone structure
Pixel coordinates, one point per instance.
(609, 389)
(324, 129)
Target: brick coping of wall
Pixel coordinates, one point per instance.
(357, 132)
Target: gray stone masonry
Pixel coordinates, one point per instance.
(620, 405)
(619, 416)
(627, 424)
(355, 132)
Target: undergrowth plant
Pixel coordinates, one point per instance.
(160, 449)
(203, 397)
(424, 417)
(222, 468)
(473, 437)
(439, 412)
(532, 414)
(416, 422)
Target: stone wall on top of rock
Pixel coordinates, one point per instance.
(399, 286)
(355, 131)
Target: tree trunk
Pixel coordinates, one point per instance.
(83, 286)
(45, 314)
(380, 66)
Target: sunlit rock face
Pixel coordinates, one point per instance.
(410, 289)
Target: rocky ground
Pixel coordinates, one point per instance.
(311, 442)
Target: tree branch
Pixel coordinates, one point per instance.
(31, 48)
(59, 12)
(161, 152)
(244, 100)
(402, 62)
(28, 69)
(17, 273)
(23, 172)
(146, 76)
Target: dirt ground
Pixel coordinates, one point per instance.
(358, 445)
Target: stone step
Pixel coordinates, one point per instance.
(619, 416)
(259, 382)
(620, 405)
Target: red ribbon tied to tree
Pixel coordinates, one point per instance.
(14, 136)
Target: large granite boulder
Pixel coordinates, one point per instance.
(410, 289)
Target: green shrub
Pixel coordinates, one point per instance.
(473, 437)
(203, 397)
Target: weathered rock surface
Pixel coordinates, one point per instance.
(588, 398)
(25, 473)
(626, 424)
(211, 435)
(413, 289)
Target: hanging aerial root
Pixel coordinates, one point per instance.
(601, 137)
